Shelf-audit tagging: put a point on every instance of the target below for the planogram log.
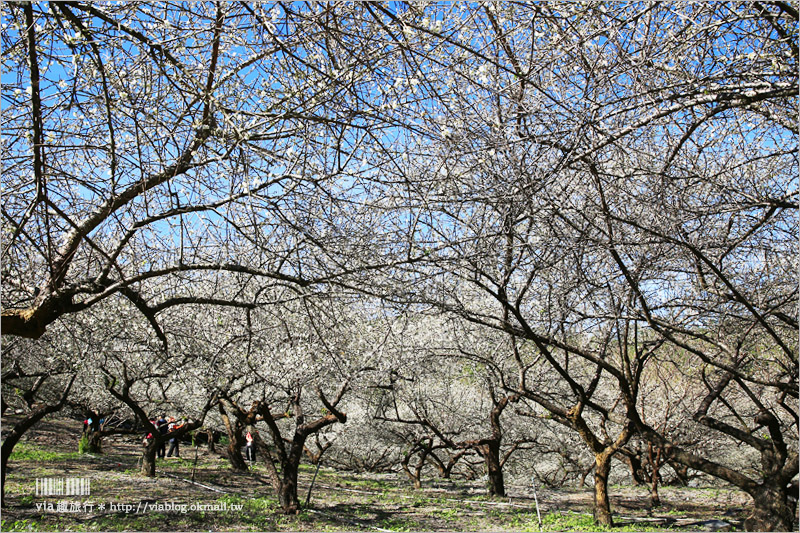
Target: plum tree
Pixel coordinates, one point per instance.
(591, 190)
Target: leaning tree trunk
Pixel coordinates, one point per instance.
(19, 430)
(406, 468)
(8, 446)
(602, 506)
(446, 472)
(416, 475)
(638, 475)
(235, 454)
(235, 441)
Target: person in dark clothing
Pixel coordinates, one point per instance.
(173, 448)
(163, 428)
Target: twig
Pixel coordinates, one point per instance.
(536, 500)
(194, 466)
(311, 486)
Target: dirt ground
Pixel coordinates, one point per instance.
(222, 500)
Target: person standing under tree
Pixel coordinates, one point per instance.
(173, 442)
(163, 428)
(250, 449)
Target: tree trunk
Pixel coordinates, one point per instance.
(235, 455)
(285, 483)
(584, 475)
(444, 472)
(423, 446)
(8, 447)
(494, 470)
(315, 458)
(287, 493)
(655, 464)
(602, 507)
(635, 465)
(774, 498)
(681, 472)
(149, 458)
(655, 499)
(19, 430)
(235, 441)
(772, 511)
(95, 440)
(405, 465)
(210, 434)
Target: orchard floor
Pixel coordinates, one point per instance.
(122, 500)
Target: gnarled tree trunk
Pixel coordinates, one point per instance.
(774, 509)
(446, 470)
(235, 441)
(604, 451)
(285, 482)
(413, 476)
(634, 462)
(654, 458)
(602, 505)
(494, 469)
(419, 446)
(287, 493)
(774, 496)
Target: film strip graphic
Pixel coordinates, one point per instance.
(63, 486)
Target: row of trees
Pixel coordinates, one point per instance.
(260, 211)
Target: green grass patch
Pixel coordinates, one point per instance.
(83, 444)
(180, 462)
(670, 512)
(368, 484)
(399, 524)
(20, 525)
(447, 514)
(24, 451)
(27, 499)
(580, 522)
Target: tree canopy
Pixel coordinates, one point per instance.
(574, 194)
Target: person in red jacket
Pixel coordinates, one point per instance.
(250, 449)
(173, 442)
